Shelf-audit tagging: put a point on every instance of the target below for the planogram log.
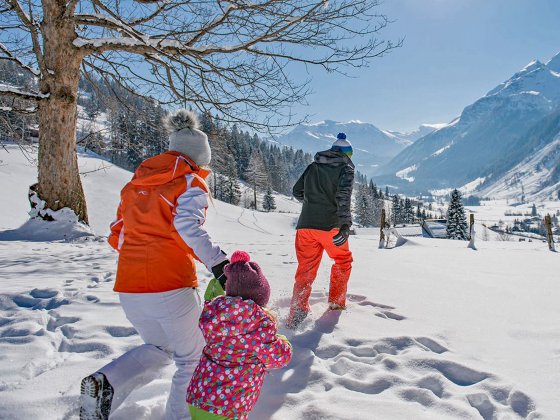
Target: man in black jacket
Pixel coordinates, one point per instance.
(325, 189)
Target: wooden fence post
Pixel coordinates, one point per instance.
(471, 245)
(549, 238)
(381, 227)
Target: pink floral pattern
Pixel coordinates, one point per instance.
(241, 345)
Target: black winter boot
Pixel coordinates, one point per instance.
(96, 397)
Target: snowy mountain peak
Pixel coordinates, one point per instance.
(554, 63)
(532, 66)
(536, 77)
(494, 134)
(372, 146)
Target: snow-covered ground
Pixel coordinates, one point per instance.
(433, 330)
(494, 211)
(284, 204)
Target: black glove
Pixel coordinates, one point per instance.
(218, 271)
(342, 236)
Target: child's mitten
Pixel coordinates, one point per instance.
(213, 290)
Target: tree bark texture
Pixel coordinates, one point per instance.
(59, 178)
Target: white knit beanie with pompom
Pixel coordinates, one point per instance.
(185, 136)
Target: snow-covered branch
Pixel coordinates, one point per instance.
(9, 56)
(15, 92)
(28, 110)
(108, 22)
(148, 45)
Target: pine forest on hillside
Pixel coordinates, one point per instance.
(126, 129)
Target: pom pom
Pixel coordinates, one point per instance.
(240, 256)
(341, 136)
(180, 120)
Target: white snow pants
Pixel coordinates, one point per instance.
(168, 324)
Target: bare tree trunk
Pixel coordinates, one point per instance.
(59, 178)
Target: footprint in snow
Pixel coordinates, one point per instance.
(414, 369)
(380, 310)
(57, 321)
(116, 331)
(40, 299)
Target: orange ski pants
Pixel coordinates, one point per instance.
(310, 244)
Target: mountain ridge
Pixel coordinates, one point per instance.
(373, 146)
(488, 132)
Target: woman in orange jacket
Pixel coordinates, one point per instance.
(159, 233)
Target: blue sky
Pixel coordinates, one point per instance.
(454, 52)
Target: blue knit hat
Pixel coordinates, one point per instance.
(342, 145)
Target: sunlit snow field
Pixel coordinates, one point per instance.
(433, 330)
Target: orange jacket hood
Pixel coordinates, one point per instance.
(165, 167)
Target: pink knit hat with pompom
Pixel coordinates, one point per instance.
(246, 279)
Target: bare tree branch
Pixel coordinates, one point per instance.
(9, 56)
(33, 28)
(231, 57)
(71, 7)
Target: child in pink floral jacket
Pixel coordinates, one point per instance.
(242, 344)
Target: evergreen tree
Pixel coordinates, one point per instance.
(92, 106)
(408, 211)
(373, 189)
(396, 210)
(269, 203)
(378, 206)
(419, 210)
(256, 174)
(363, 206)
(156, 136)
(230, 191)
(457, 227)
(207, 122)
(534, 210)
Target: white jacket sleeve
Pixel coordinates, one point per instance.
(188, 222)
